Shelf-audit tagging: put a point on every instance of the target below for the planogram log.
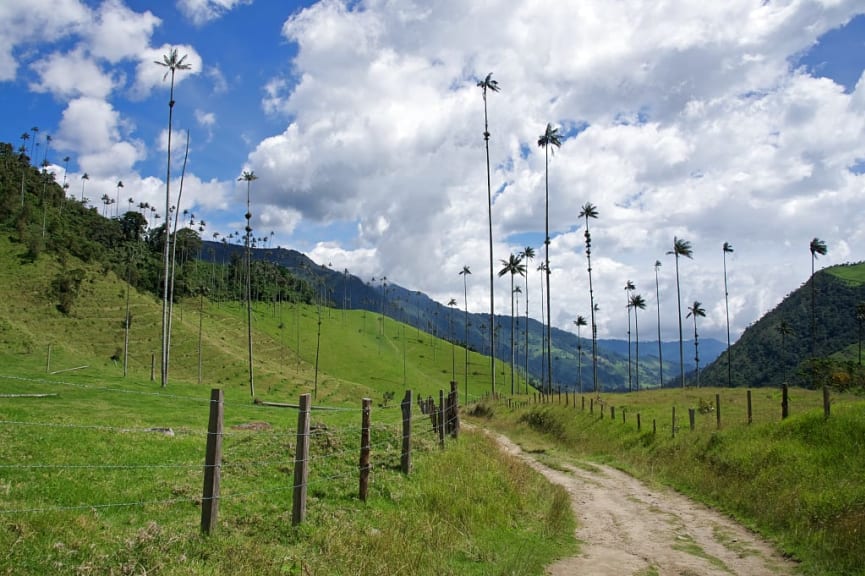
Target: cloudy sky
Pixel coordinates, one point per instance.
(740, 121)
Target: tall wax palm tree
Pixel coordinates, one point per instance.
(629, 288)
(452, 303)
(516, 292)
(493, 86)
(590, 211)
(528, 254)
(680, 248)
(465, 272)
(696, 311)
(549, 139)
(513, 266)
(658, 302)
(248, 176)
(817, 247)
(728, 249)
(117, 200)
(637, 302)
(541, 268)
(84, 178)
(173, 63)
(579, 323)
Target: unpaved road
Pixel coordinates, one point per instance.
(627, 528)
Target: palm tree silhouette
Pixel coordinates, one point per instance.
(696, 310)
(680, 248)
(248, 176)
(637, 302)
(117, 200)
(728, 249)
(658, 302)
(489, 84)
(817, 247)
(513, 266)
(590, 211)
(528, 255)
(549, 139)
(84, 178)
(465, 274)
(452, 303)
(579, 323)
(629, 288)
(173, 63)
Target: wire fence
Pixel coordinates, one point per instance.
(162, 465)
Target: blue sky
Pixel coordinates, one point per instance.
(737, 121)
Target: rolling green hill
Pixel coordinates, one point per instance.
(763, 357)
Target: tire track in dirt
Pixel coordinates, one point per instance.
(626, 527)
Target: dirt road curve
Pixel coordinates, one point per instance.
(627, 528)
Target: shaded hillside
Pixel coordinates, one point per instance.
(341, 289)
(762, 357)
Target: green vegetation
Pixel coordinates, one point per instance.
(798, 481)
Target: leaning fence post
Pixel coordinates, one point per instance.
(405, 457)
(691, 413)
(785, 402)
(674, 421)
(212, 462)
(639, 424)
(750, 413)
(366, 405)
(301, 459)
(48, 360)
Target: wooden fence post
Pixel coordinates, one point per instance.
(674, 421)
(366, 406)
(750, 413)
(639, 424)
(212, 463)
(623, 415)
(654, 426)
(152, 367)
(612, 412)
(405, 457)
(48, 360)
(785, 402)
(691, 414)
(583, 403)
(591, 406)
(826, 402)
(441, 416)
(718, 411)
(301, 459)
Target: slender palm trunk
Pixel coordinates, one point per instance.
(543, 340)
(490, 217)
(637, 357)
(727, 309)
(592, 309)
(512, 335)
(696, 351)
(679, 310)
(526, 351)
(249, 304)
(547, 270)
(579, 361)
(166, 252)
(630, 377)
(660, 353)
(466, 339)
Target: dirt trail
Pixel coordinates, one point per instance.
(627, 528)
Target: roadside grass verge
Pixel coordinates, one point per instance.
(797, 481)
